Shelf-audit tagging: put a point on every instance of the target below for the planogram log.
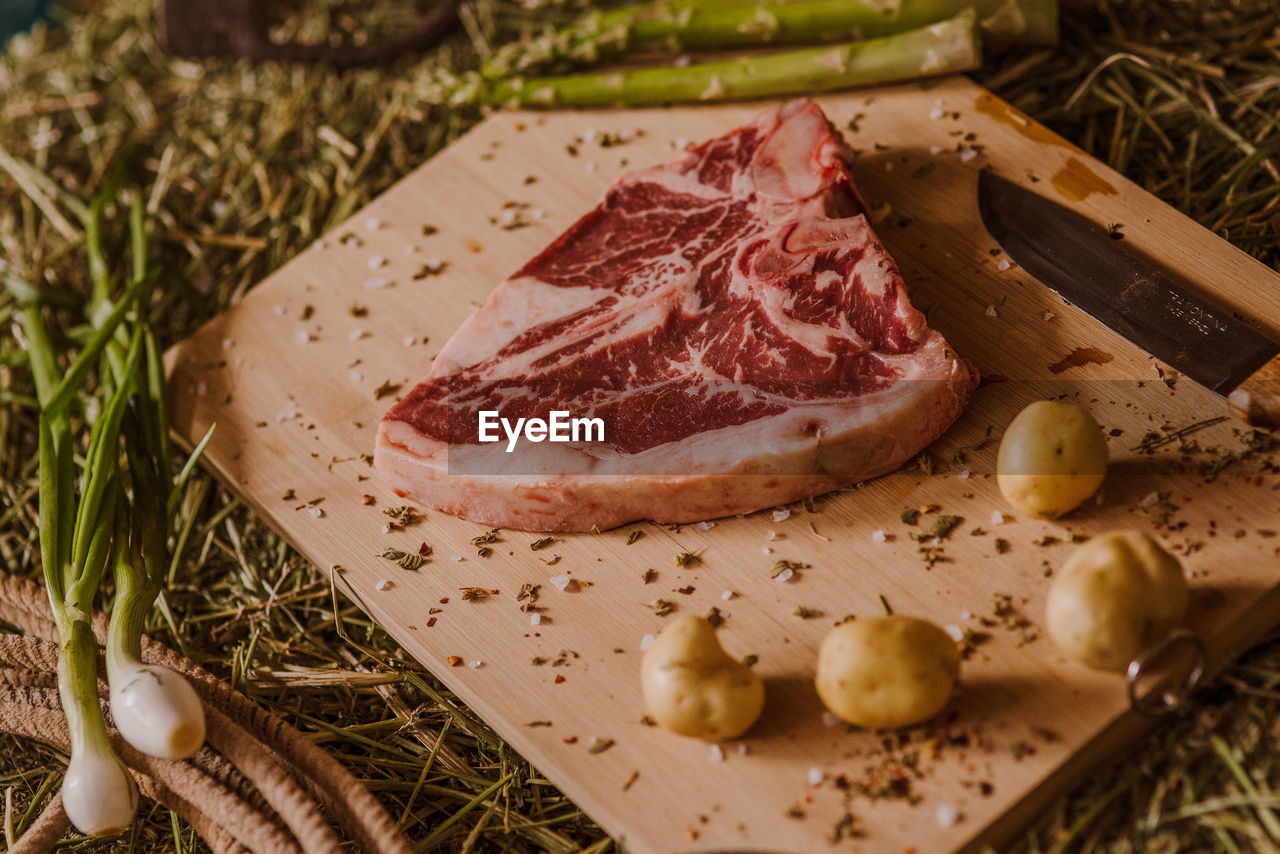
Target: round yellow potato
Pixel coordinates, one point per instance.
(693, 687)
(1052, 458)
(884, 672)
(1116, 595)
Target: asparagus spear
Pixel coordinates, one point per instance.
(942, 48)
(679, 25)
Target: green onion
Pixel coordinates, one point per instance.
(122, 517)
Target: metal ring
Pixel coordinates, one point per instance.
(1170, 699)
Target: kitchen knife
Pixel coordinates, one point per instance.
(1088, 268)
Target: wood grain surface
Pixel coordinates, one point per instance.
(297, 375)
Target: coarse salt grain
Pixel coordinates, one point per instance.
(781, 514)
(202, 388)
(383, 584)
(508, 216)
(434, 265)
(455, 558)
(716, 753)
(302, 335)
(351, 241)
(409, 249)
(227, 343)
(743, 750)
(935, 113)
(957, 633)
(784, 576)
(964, 474)
(947, 815)
(278, 309)
(966, 615)
(771, 535)
(1003, 264)
(535, 619)
(1150, 499)
(878, 536)
(1049, 315)
(703, 527)
(373, 223)
(591, 167)
(968, 154)
(407, 340)
(935, 149)
(646, 641)
(356, 377)
(815, 775)
(560, 582)
(318, 244)
(727, 595)
(375, 284)
(681, 143)
(997, 518)
(376, 261)
(766, 550)
(991, 311)
(475, 665)
(356, 334)
(830, 720)
(317, 512)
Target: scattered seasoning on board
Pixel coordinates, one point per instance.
(541, 543)
(406, 560)
(715, 617)
(783, 565)
(910, 516)
(1002, 545)
(750, 660)
(846, 827)
(599, 745)
(804, 612)
(401, 517)
(529, 596)
(475, 594)
(687, 559)
(633, 536)
(387, 388)
(662, 607)
(649, 576)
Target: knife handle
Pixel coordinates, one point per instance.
(1257, 399)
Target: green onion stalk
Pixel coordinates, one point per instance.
(155, 709)
(699, 25)
(119, 518)
(76, 545)
(945, 47)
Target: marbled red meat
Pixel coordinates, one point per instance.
(732, 320)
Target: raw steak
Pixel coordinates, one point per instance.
(730, 317)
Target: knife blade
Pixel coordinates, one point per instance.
(1081, 262)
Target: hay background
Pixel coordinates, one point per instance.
(244, 165)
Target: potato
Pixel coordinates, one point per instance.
(693, 687)
(1117, 595)
(1052, 458)
(885, 672)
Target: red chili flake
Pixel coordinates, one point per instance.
(424, 550)
(559, 678)
(444, 600)
(453, 661)
(573, 739)
(367, 500)
(431, 621)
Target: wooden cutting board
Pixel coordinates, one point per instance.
(298, 374)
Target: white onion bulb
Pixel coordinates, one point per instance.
(157, 711)
(98, 793)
